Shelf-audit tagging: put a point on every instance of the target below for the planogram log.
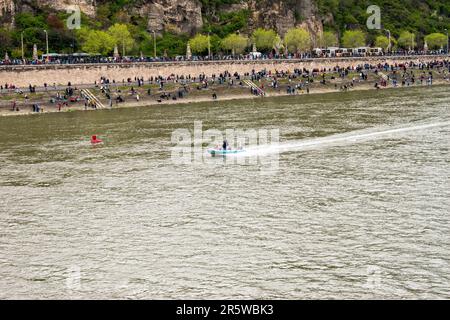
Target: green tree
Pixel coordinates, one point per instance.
(16, 53)
(297, 40)
(436, 40)
(264, 39)
(215, 43)
(407, 40)
(278, 45)
(82, 34)
(235, 43)
(28, 20)
(122, 37)
(353, 39)
(328, 39)
(199, 44)
(98, 42)
(173, 44)
(5, 41)
(382, 42)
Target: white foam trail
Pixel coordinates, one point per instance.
(349, 137)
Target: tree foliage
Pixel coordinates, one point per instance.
(436, 40)
(353, 39)
(382, 42)
(199, 44)
(264, 39)
(328, 39)
(407, 40)
(235, 43)
(121, 36)
(98, 42)
(297, 40)
(419, 17)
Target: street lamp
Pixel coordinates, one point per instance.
(154, 44)
(412, 42)
(209, 46)
(23, 49)
(446, 32)
(46, 41)
(389, 35)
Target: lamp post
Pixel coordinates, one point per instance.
(23, 50)
(389, 36)
(209, 46)
(412, 42)
(446, 32)
(46, 41)
(154, 44)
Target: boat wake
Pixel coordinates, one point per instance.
(338, 139)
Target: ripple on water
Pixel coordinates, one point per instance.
(361, 218)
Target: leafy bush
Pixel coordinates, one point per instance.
(298, 40)
(353, 39)
(264, 39)
(436, 40)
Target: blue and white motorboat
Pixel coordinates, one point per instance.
(222, 152)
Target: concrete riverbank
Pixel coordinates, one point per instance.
(22, 76)
(52, 108)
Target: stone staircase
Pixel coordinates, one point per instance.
(88, 94)
(253, 85)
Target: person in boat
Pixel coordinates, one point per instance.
(225, 145)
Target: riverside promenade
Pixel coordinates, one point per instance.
(227, 86)
(79, 74)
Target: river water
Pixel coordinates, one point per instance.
(355, 202)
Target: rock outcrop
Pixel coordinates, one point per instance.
(86, 6)
(7, 8)
(182, 16)
(280, 15)
(187, 16)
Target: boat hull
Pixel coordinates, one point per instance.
(216, 152)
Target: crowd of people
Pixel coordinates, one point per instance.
(96, 59)
(291, 82)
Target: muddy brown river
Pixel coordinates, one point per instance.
(353, 202)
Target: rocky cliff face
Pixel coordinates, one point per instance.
(7, 8)
(183, 16)
(87, 6)
(187, 16)
(280, 15)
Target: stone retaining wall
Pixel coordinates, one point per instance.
(89, 73)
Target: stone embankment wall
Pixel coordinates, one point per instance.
(87, 74)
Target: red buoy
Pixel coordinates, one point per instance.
(94, 140)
